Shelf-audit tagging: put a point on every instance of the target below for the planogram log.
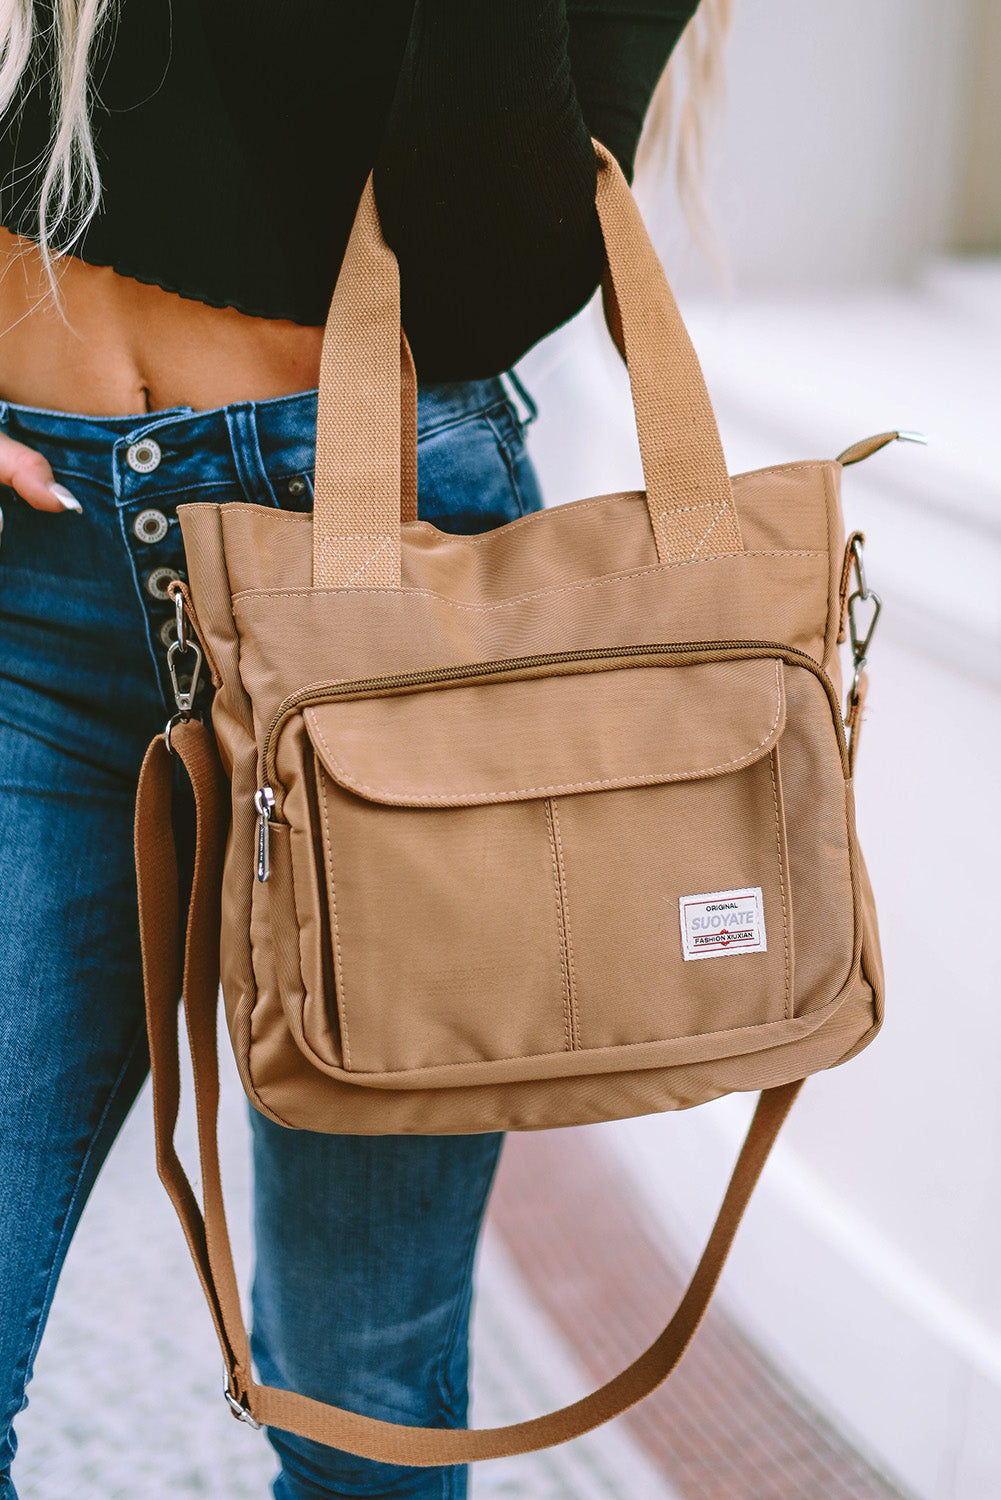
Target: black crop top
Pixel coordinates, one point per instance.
(234, 138)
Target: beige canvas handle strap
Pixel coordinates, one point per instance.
(359, 459)
(205, 1229)
(688, 489)
(365, 479)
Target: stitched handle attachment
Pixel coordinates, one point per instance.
(366, 440)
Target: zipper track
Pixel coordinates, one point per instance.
(471, 672)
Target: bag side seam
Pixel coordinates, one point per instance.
(561, 929)
(574, 1012)
(340, 997)
(787, 1008)
(556, 844)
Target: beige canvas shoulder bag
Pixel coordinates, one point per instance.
(548, 825)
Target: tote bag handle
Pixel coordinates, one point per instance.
(366, 438)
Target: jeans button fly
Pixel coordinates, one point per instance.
(158, 580)
(143, 457)
(150, 526)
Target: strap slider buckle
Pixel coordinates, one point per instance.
(236, 1406)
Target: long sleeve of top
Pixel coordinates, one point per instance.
(486, 174)
(234, 138)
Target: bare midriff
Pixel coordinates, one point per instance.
(118, 346)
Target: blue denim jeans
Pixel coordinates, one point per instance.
(364, 1246)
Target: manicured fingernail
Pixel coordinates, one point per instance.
(66, 500)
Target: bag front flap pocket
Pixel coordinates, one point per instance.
(503, 864)
(552, 736)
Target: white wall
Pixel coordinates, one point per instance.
(978, 218)
(835, 163)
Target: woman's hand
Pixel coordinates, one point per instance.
(29, 475)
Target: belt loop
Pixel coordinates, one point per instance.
(520, 391)
(241, 422)
(118, 450)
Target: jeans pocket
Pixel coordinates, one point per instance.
(475, 474)
(510, 428)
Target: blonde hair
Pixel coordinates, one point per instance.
(71, 187)
(678, 123)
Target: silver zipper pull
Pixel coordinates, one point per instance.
(264, 801)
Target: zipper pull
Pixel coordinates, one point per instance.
(264, 801)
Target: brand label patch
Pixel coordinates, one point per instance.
(722, 924)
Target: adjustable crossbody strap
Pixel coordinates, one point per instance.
(164, 978)
(205, 1228)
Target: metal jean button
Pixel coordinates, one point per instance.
(168, 632)
(150, 526)
(143, 457)
(159, 579)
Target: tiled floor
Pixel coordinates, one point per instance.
(726, 1426)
